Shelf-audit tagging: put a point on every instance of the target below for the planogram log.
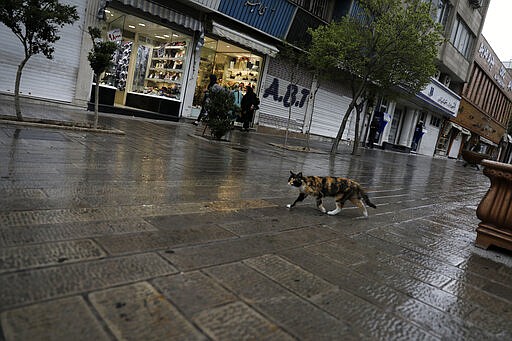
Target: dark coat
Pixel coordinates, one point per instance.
(249, 99)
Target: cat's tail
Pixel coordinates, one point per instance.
(367, 200)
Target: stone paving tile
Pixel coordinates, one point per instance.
(370, 320)
(236, 320)
(386, 266)
(47, 283)
(170, 238)
(185, 220)
(39, 255)
(440, 323)
(64, 319)
(56, 232)
(499, 325)
(306, 322)
(256, 226)
(378, 244)
(432, 320)
(193, 292)
(410, 271)
(197, 257)
(35, 217)
(488, 269)
(139, 312)
(290, 276)
(43, 204)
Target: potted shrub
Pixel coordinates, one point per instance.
(220, 108)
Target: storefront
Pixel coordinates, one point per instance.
(235, 67)
(238, 60)
(150, 68)
(486, 133)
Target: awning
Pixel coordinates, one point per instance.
(165, 13)
(244, 40)
(461, 129)
(489, 142)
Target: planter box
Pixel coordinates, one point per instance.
(495, 210)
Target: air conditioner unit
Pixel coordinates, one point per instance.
(475, 3)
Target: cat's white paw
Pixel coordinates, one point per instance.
(334, 212)
(322, 209)
(289, 206)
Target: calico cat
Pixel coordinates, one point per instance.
(342, 189)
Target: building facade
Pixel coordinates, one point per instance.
(168, 50)
(418, 123)
(486, 107)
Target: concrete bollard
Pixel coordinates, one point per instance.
(495, 210)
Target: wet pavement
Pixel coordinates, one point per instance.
(159, 234)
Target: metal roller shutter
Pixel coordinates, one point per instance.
(44, 78)
(275, 104)
(329, 111)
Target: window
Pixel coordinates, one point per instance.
(440, 10)
(315, 7)
(435, 121)
(462, 38)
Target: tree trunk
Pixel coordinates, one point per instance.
(355, 147)
(356, 95)
(17, 106)
(96, 101)
(336, 142)
(312, 99)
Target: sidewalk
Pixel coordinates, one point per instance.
(160, 235)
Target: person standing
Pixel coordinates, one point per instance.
(250, 103)
(212, 86)
(418, 133)
(374, 127)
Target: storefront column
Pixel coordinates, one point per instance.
(408, 126)
(85, 73)
(391, 111)
(190, 87)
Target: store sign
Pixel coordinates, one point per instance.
(292, 96)
(473, 119)
(439, 95)
(494, 68)
(256, 6)
(270, 16)
(115, 35)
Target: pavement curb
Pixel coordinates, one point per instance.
(63, 125)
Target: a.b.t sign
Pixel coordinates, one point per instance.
(292, 97)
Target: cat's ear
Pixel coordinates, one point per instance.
(299, 175)
(292, 173)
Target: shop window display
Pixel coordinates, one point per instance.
(162, 73)
(155, 55)
(234, 67)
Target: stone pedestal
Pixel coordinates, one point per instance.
(495, 210)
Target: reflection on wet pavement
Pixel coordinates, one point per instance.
(158, 225)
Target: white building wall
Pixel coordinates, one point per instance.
(454, 150)
(429, 139)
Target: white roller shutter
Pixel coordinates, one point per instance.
(277, 97)
(44, 78)
(328, 113)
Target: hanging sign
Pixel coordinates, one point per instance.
(115, 35)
